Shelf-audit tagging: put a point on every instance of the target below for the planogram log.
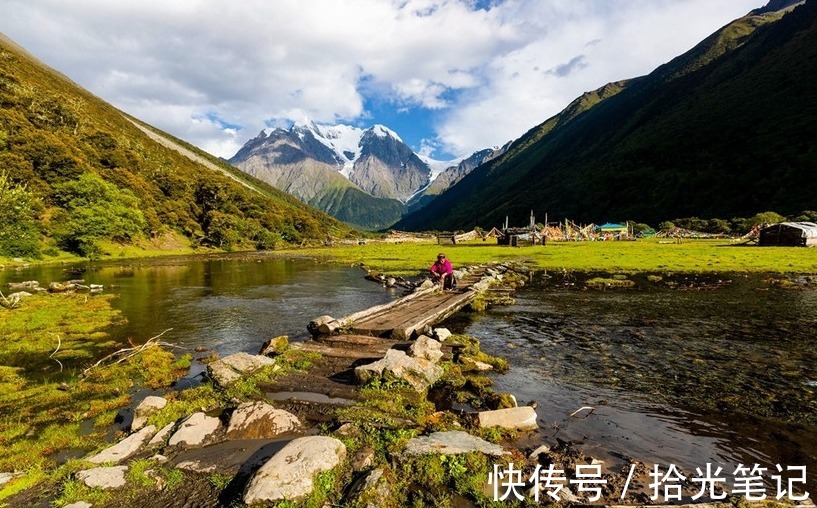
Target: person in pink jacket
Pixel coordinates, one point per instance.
(442, 272)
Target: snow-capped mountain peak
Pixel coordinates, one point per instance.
(345, 141)
(376, 164)
(384, 132)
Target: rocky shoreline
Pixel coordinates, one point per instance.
(364, 422)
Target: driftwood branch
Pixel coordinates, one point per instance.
(59, 344)
(9, 303)
(584, 408)
(125, 354)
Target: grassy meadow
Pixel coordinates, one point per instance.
(649, 255)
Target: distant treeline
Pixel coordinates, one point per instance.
(736, 226)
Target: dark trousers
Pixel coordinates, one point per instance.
(447, 280)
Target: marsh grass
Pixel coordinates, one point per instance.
(49, 411)
(206, 396)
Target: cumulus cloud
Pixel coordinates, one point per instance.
(216, 73)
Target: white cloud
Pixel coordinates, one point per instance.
(488, 75)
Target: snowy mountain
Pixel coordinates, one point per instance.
(446, 174)
(367, 177)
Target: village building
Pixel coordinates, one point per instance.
(611, 231)
(789, 234)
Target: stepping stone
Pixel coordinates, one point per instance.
(104, 478)
(160, 437)
(232, 368)
(147, 407)
(418, 372)
(289, 473)
(515, 418)
(196, 430)
(427, 348)
(124, 449)
(453, 442)
(259, 420)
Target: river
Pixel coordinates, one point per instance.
(687, 370)
(682, 370)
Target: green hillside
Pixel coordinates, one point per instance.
(353, 206)
(725, 130)
(76, 173)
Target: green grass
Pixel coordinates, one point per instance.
(650, 255)
(47, 405)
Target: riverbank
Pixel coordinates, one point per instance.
(381, 418)
(421, 435)
(263, 275)
(55, 404)
(167, 245)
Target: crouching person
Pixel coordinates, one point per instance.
(442, 272)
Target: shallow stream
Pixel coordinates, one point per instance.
(685, 370)
(679, 370)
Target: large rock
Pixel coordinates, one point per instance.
(196, 430)
(160, 437)
(124, 449)
(104, 477)
(453, 442)
(441, 334)
(418, 372)
(516, 418)
(259, 420)
(222, 374)
(147, 407)
(289, 473)
(79, 504)
(371, 490)
(275, 346)
(427, 348)
(231, 368)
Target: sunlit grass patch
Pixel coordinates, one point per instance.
(651, 255)
(52, 405)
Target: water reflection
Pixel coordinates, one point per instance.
(682, 376)
(229, 304)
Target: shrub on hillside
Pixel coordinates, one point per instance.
(95, 209)
(19, 231)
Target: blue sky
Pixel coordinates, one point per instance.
(449, 76)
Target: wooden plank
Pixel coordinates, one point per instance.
(400, 319)
(404, 322)
(416, 310)
(341, 352)
(355, 340)
(329, 327)
(406, 330)
(383, 319)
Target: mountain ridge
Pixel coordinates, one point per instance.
(81, 173)
(703, 135)
(366, 177)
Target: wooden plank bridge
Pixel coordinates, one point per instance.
(406, 317)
